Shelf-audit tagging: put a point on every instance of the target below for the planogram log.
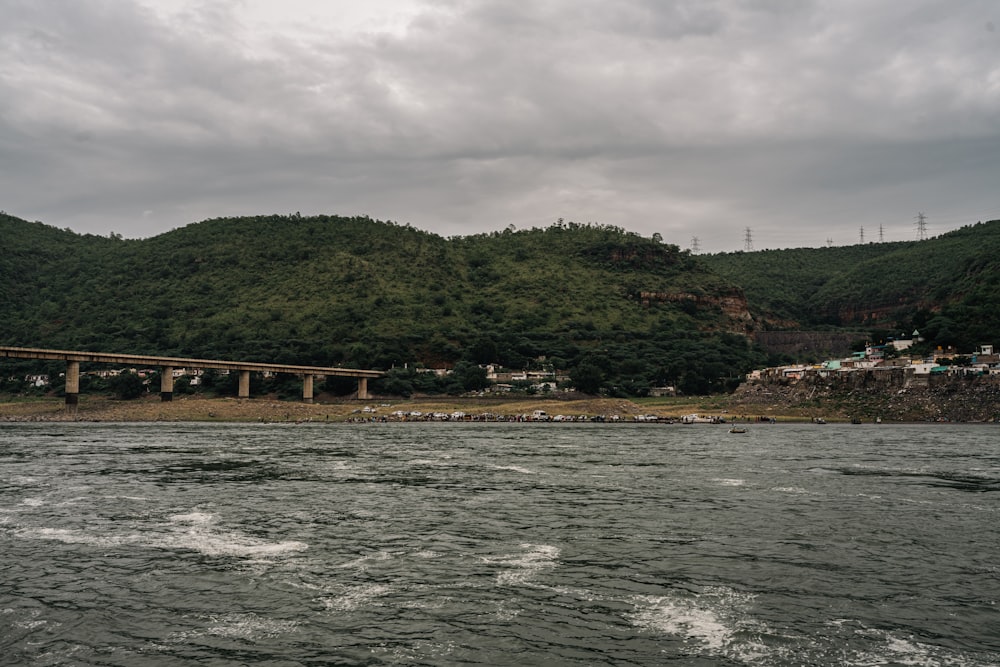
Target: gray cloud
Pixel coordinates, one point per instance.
(802, 120)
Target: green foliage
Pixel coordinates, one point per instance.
(127, 386)
(947, 287)
(357, 292)
(587, 377)
(619, 312)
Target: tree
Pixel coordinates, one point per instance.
(587, 378)
(397, 382)
(127, 386)
(470, 377)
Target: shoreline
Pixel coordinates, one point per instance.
(272, 410)
(199, 409)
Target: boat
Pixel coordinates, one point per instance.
(818, 420)
(695, 418)
(738, 429)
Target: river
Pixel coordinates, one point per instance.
(499, 544)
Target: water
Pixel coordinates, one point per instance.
(499, 544)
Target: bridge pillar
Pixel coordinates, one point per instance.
(72, 383)
(363, 394)
(307, 388)
(167, 384)
(244, 384)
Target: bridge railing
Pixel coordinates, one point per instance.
(74, 358)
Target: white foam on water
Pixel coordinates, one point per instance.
(507, 610)
(70, 536)
(729, 482)
(195, 531)
(193, 518)
(896, 650)
(30, 621)
(418, 653)
(356, 597)
(248, 626)
(796, 490)
(525, 566)
(426, 554)
(710, 619)
(24, 480)
(32, 502)
(363, 562)
(682, 618)
(513, 468)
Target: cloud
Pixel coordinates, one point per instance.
(802, 120)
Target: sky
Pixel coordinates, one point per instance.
(718, 124)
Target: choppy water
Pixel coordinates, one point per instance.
(499, 544)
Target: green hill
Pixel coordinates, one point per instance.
(945, 287)
(619, 311)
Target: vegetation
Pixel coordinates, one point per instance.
(617, 312)
(363, 293)
(945, 287)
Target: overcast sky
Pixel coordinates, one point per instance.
(805, 121)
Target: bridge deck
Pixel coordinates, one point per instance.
(179, 362)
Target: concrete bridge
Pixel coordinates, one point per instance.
(73, 360)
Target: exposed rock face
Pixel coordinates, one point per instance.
(815, 344)
(732, 304)
(892, 394)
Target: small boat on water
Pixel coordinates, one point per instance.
(738, 429)
(695, 418)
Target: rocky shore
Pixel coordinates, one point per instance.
(891, 398)
(271, 410)
(952, 399)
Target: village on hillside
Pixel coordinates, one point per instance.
(890, 358)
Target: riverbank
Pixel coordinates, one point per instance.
(965, 401)
(199, 409)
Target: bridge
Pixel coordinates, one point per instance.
(73, 360)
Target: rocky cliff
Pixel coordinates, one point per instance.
(892, 395)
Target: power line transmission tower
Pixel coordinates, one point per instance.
(921, 226)
(862, 235)
(881, 236)
(695, 244)
(829, 242)
(748, 241)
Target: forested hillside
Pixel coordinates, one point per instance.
(618, 311)
(945, 287)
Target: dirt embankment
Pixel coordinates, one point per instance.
(271, 410)
(891, 397)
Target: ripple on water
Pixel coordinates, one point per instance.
(710, 619)
(523, 567)
(195, 531)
